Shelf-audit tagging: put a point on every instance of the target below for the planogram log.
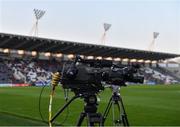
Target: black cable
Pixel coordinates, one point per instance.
(67, 112)
(40, 96)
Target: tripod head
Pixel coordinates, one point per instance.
(115, 89)
(90, 104)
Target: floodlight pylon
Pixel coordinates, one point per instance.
(106, 28)
(38, 15)
(152, 44)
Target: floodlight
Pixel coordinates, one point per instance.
(33, 53)
(99, 57)
(47, 54)
(148, 61)
(108, 58)
(154, 62)
(38, 13)
(125, 60)
(6, 50)
(59, 55)
(20, 52)
(155, 35)
(133, 60)
(70, 56)
(140, 61)
(107, 26)
(90, 57)
(117, 59)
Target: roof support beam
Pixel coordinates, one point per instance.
(51, 48)
(80, 50)
(21, 44)
(100, 52)
(64, 49)
(109, 52)
(5, 42)
(120, 54)
(71, 49)
(89, 50)
(36, 46)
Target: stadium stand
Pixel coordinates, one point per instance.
(22, 68)
(31, 71)
(38, 72)
(5, 73)
(175, 71)
(156, 75)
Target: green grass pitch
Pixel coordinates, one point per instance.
(145, 105)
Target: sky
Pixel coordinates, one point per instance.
(133, 21)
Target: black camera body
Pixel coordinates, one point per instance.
(87, 75)
(120, 75)
(81, 78)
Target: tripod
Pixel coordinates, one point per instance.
(117, 101)
(90, 110)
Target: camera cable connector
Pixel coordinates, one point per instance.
(54, 82)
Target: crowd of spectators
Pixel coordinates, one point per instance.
(174, 70)
(33, 71)
(28, 71)
(153, 76)
(5, 73)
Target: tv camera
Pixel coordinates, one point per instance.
(83, 75)
(86, 78)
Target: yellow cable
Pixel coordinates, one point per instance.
(50, 111)
(54, 83)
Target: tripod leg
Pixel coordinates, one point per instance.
(122, 117)
(123, 114)
(106, 112)
(62, 109)
(113, 113)
(116, 112)
(81, 118)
